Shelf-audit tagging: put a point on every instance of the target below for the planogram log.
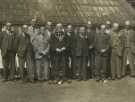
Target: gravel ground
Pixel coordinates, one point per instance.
(90, 91)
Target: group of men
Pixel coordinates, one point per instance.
(58, 54)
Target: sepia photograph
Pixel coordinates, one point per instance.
(67, 50)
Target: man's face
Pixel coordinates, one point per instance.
(103, 27)
(42, 29)
(48, 26)
(59, 27)
(12, 29)
(69, 28)
(89, 25)
(8, 28)
(108, 26)
(127, 24)
(82, 30)
(115, 28)
(25, 29)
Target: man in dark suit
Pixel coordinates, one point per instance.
(128, 35)
(102, 45)
(8, 52)
(70, 56)
(58, 47)
(109, 32)
(23, 52)
(116, 53)
(91, 39)
(81, 54)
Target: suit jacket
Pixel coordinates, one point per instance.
(116, 43)
(71, 43)
(41, 46)
(128, 38)
(55, 43)
(23, 45)
(1, 37)
(91, 37)
(102, 42)
(32, 31)
(9, 43)
(81, 46)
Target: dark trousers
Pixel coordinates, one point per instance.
(59, 67)
(70, 66)
(131, 58)
(9, 66)
(116, 66)
(51, 65)
(81, 67)
(109, 65)
(92, 62)
(29, 61)
(101, 63)
(21, 62)
(31, 67)
(73, 66)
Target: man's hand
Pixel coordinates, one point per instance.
(91, 47)
(58, 50)
(63, 48)
(43, 52)
(103, 50)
